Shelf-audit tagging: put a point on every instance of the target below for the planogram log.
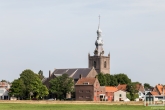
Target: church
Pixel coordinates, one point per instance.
(97, 63)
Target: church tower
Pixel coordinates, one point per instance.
(100, 62)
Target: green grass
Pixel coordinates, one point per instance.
(18, 106)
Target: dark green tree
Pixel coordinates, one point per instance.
(61, 86)
(17, 89)
(108, 79)
(131, 88)
(113, 81)
(122, 78)
(147, 86)
(40, 74)
(3, 80)
(102, 79)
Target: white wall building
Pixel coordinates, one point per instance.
(120, 95)
(4, 87)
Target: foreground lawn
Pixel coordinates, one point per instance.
(18, 106)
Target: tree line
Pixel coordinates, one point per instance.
(121, 78)
(29, 85)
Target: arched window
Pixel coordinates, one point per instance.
(95, 64)
(105, 64)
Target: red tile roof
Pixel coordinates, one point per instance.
(140, 87)
(154, 93)
(160, 88)
(84, 81)
(122, 87)
(110, 89)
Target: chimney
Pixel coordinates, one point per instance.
(49, 73)
(80, 77)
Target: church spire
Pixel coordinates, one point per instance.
(99, 22)
(99, 42)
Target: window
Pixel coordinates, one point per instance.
(80, 91)
(95, 64)
(86, 83)
(87, 97)
(120, 95)
(88, 91)
(105, 64)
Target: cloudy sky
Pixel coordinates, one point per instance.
(49, 34)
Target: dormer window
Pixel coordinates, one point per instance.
(86, 83)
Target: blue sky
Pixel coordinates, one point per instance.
(48, 34)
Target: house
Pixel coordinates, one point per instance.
(159, 89)
(158, 93)
(89, 89)
(120, 95)
(4, 90)
(109, 92)
(141, 91)
(152, 96)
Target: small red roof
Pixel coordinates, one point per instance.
(154, 93)
(110, 89)
(122, 87)
(86, 81)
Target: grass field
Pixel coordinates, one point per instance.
(23, 106)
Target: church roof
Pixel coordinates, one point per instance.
(74, 73)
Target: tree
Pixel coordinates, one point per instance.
(17, 89)
(147, 86)
(43, 91)
(107, 79)
(113, 81)
(122, 78)
(131, 88)
(31, 84)
(110, 80)
(61, 86)
(3, 80)
(102, 79)
(40, 74)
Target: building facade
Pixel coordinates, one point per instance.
(89, 89)
(4, 90)
(120, 95)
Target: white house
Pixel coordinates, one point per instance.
(120, 95)
(4, 87)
